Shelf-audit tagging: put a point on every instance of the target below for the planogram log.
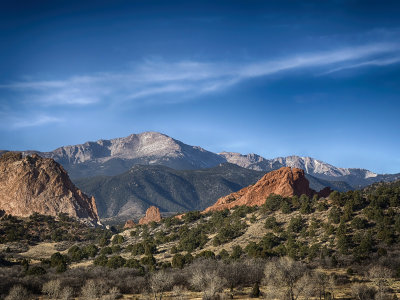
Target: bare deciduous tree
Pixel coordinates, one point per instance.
(243, 272)
(214, 285)
(363, 292)
(93, 289)
(17, 292)
(113, 294)
(67, 293)
(381, 277)
(234, 273)
(306, 286)
(179, 292)
(205, 277)
(322, 283)
(52, 289)
(254, 270)
(283, 278)
(159, 282)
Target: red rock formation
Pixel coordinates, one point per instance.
(35, 184)
(129, 224)
(286, 182)
(152, 215)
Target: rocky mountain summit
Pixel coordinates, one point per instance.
(285, 181)
(34, 184)
(115, 156)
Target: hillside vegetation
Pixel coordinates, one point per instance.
(346, 246)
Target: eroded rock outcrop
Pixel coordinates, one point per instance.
(35, 184)
(152, 215)
(129, 224)
(285, 181)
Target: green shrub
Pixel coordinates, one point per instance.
(359, 223)
(286, 208)
(149, 248)
(343, 244)
(269, 241)
(273, 202)
(191, 216)
(116, 262)
(118, 239)
(296, 224)
(255, 291)
(237, 252)
(138, 249)
(76, 254)
(35, 271)
(229, 232)
(134, 264)
(59, 261)
(322, 206)
(334, 215)
(90, 250)
(149, 261)
(116, 248)
(306, 205)
(103, 241)
(193, 239)
(223, 254)
(206, 254)
(178, 261)
(242, 211)
(188, 258)
(270, 223)
(106, 251)
(171, 221)
(101, 260)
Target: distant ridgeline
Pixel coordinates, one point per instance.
(128, 175)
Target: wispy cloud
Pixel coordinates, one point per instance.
(34, 122)
(374, 62)
(152, 78)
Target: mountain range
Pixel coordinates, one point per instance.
(116, 156)
(128, 175)
(355, 177)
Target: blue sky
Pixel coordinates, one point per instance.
(276, 78)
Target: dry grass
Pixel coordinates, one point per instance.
(40, 251)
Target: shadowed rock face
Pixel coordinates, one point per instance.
(285, 181)
(35, 184)
(152, 215)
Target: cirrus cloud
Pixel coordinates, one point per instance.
(186, 79)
